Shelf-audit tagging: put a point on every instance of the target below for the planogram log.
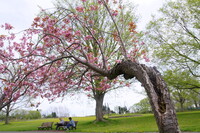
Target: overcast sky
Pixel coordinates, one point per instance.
(20, 14)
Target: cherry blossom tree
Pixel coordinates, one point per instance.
(11, 82)
(84, 45)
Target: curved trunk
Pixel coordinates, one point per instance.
(157, 92)
(99, 106)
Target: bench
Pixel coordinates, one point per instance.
(65, 124)
(46, 125)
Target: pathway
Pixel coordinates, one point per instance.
(69, 132)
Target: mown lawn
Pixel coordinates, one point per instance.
(188, 121)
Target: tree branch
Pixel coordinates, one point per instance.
(119, 34)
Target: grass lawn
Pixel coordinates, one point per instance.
(188, 121)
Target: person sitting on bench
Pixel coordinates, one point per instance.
(71, 123)
(61, 123)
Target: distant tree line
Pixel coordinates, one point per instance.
(183, 101)
(21, 114)
(52, 115)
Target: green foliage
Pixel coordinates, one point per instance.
(175, 36)
(123, 110)
(184, 88)
(181, 79)
(107, 110)
(24, 114)
(54, 114)
(189, 121)
(142, 107)
(2, 115)
(34, 115)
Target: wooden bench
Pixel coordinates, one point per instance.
(65, 125)
(46, 125)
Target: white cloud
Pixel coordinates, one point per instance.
(20, 13)
(145, 9)
(144, 1)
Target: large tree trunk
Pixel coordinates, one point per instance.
(157, 92)
(99, 106)
(7, 114)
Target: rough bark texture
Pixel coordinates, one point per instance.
(157, 92)
(99, 106)
(7, 114)
(1, 101)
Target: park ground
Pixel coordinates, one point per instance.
(188, 122)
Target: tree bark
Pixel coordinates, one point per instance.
(157, 92)
(1, 101)
(7, 114)
(182, 105)
(99, 106)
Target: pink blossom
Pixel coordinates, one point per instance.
(37, 19)
(2, 67)
(128, 84)
(136, 50)
(146, 59)
(80, 9)
(68, 34)
(12, 37)
(77, 41)
(114, 1)
(8, 26)
(89, 88)
(89, 95)
(1, 43)
(67, 21)
(93, 32)
(83, 0)
(16, 96)
(88, 37)
(77, 33)
(114, 13)
(118, 61)
(91, 22)
(142, 43)
(91, 57)
(47, 95)
(100, 2)
(101, 40)
(93, 7)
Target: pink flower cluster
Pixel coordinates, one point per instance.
(7, 26)
(93, 7)
(88, 37)
(114, 13)
(59, 59)
(80, 9)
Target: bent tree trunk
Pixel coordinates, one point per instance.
(99, 96)
(157, 92)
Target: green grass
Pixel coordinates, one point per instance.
(188, 121)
